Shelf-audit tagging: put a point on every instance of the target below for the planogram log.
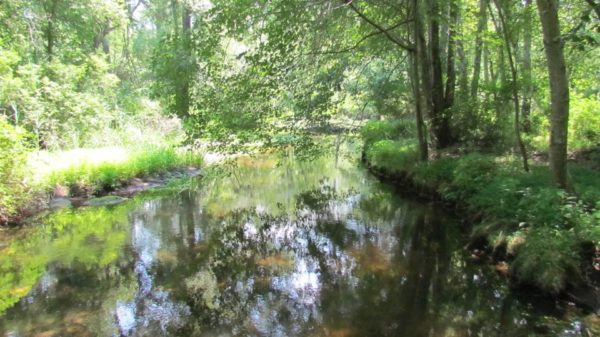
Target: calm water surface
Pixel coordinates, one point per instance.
(275, 248)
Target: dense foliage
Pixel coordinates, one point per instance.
(541, 227)
(428, 79)
(14, 150)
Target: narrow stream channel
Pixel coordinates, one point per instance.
(273, 249)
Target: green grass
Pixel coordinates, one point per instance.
(96, 177)
(374, 131)
(511, 203)
(392, 155)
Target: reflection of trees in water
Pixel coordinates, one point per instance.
(327, 261)
(324, 270)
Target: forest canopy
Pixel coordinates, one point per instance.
(491, 76)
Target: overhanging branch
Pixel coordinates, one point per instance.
(381, 29)
(361, 40)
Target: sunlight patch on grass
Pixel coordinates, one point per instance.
(45, 163)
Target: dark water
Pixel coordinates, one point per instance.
(299, 249)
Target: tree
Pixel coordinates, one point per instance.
(513, 85)
(559, 89)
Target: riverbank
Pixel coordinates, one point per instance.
(536, 234)
(80, 177)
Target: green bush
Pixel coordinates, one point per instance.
(374, 131)
(394, 156)
(436, 174)
(584, 122)
(543, 207)
(473, 173)
(547, 259)
(14, 147)
(586, 182)
(499, 198)
(556, 222)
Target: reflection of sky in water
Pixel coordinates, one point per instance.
(302, 285)
(282, 254)
(151, 310)
(146, 244)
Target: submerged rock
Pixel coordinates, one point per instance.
(57, 203)
(104, 201)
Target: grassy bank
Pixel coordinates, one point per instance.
(547, 237)
(83, 172)
(91, 178)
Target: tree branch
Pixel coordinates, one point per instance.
(362, 39)
(381, 29)
(595, 7)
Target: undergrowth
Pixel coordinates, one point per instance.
(14, 148)
(548, 224)
(93, 178)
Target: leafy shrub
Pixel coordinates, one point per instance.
(584, 122)
(586, 182)
(473, 173)
(374, 131)
(499, 198)
(436, 174)
(392, 155)
(547, 259)
(543, 207)
(14, 148)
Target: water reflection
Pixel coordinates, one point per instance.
(292, 250)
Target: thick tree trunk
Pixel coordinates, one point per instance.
(559, 89)
(463, 82)
(425, 88)
(101, 39)
(440, 121)
(417, 85)
(481, 25)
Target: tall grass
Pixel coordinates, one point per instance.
(93, 178)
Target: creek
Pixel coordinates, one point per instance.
(267, 247)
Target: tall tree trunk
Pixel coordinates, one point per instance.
(481, 25)
(515, 89)
(51, 10)
(559, 89)
(426, 92)
(487, 69)
(174, 12)
(101, 39)
(186, 28)
(450, 54)
(440, 122)
(526, 68)
(416, 83)
(463, 82)
(416, 88)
